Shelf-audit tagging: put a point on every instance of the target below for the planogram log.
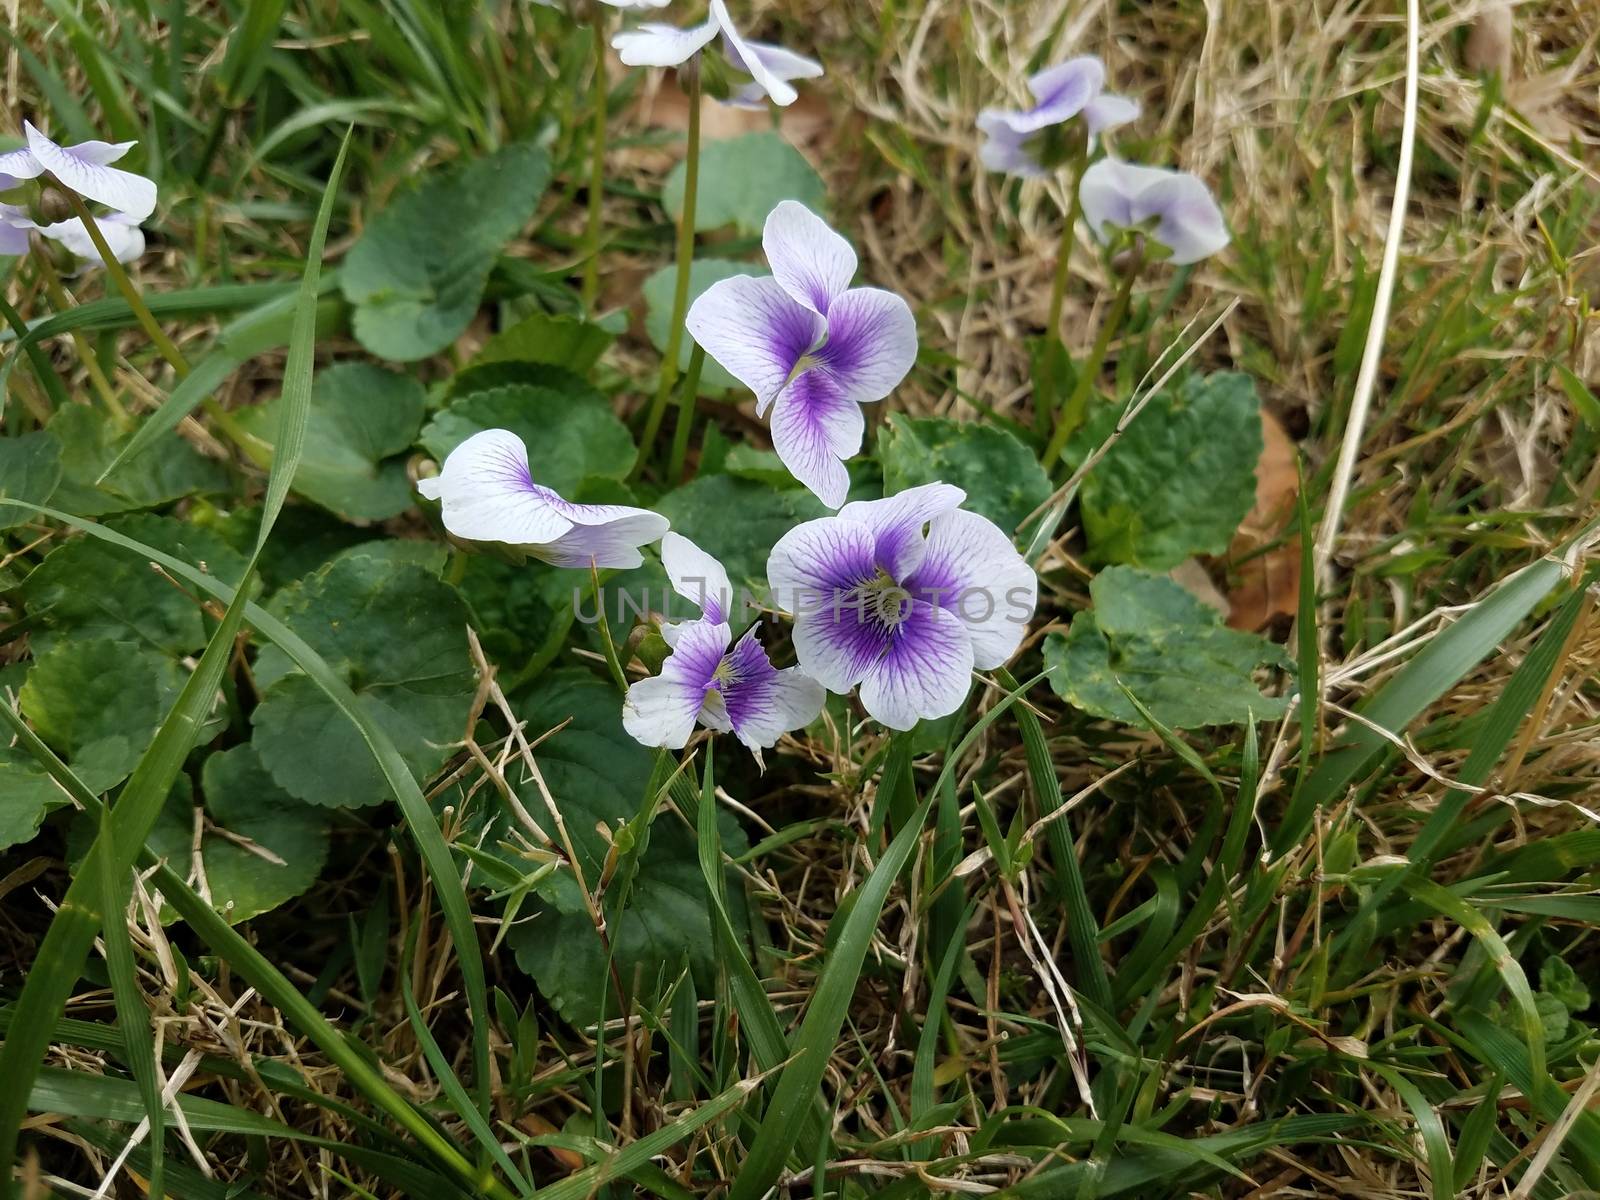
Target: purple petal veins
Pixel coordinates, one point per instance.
(904, 597)
(703, 681)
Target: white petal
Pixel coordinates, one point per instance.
(781, 92)
(1189, 223)
(19, 164)
(662, 711)
(784, 63)
(812, 262)
(602, 535)
(755, 330)
(815, 427)
(83, 170)
(657, 45)
(697, 577)
(637, 3)
(488, 493)
(973, 571)
(125, 240)
(926, 672)
(896, 523)
(1106, 193)
(1107, 111)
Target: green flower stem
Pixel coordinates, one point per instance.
(613, 663)
(147, 321)
(1057, 352)
(686, 397)
(1072, 412)
(597, 161)
(680, 294)
(62, 302)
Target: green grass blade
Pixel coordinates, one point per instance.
(256, 332)
(1083, 928)
(1435, 1142)
(67, 941)
(273, 985)
(591, 1180)
(132, 1015)
(1447, 903)
(443, 1072)
(798, 1086)
(1489, 743)
(1440, 664)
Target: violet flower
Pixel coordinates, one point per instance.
(487, 494)
(904, 597)
(770, 67)
(84, 169)
(1171, 207)
(1062, 92)
(812, 348)
(726, 685)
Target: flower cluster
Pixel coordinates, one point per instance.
(900, 598)
(1172, 209)
(85, 171)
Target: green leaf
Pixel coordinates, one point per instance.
(1180, 479)
(569, 428)
(361, 419)
(89, 589)
(1003, 478)
(417, 274)
(89, 443)
(657, 290)
(738, 520)
(29, 795)
(30, 469)
(1559, 980)
(596, 773)
(742, 179)
(99, 702)
(259, 846)
(1171, 651)
(397, 636)
(543, 339)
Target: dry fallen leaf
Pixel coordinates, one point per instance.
(1268, 583)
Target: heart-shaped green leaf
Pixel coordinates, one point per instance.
(398, 637)
(1146, 633)
(361, 419)
(417, 274)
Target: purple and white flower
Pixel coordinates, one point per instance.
(487, 494)
(770, 67)
(1067, 90)
(84, 169)
(811, 347)
(709, 678)
(121, 232)
(904, 597)
(1171, 207)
